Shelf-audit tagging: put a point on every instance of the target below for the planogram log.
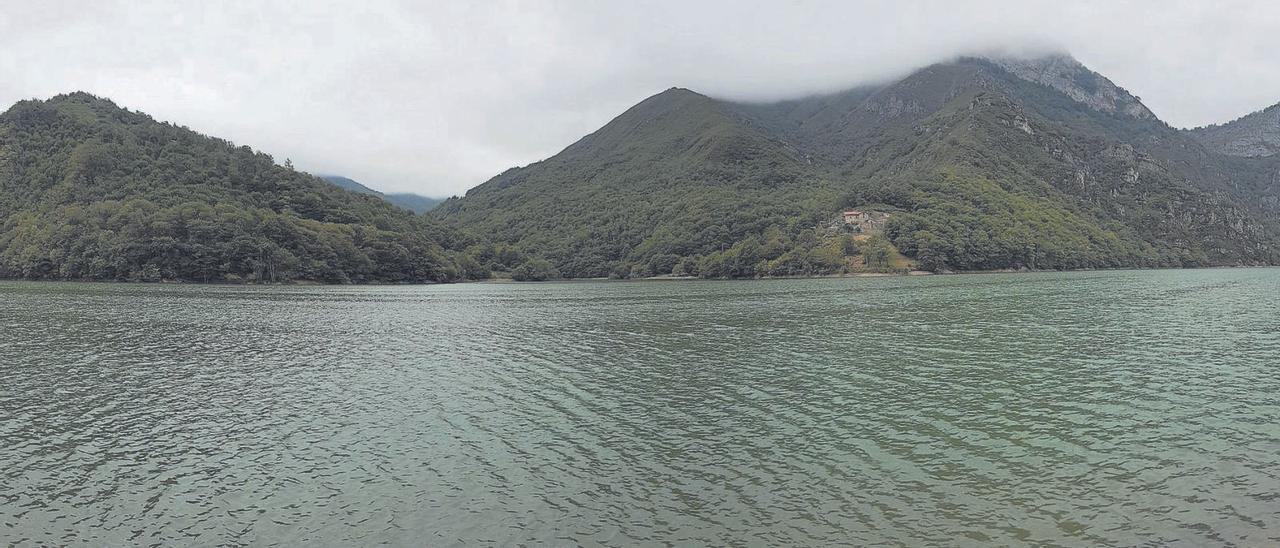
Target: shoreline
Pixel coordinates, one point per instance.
(908, 274)
(668, 278)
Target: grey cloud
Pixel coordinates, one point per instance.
(436, 97)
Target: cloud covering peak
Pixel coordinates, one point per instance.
(436, 97)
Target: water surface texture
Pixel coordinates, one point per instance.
(1107, 408)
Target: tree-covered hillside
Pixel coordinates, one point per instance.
(971, 164)
(978, 164)
(92, 191)
(677, 176)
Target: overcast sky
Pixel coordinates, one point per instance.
(436, 97)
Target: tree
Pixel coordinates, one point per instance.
(877, 252)
(534, 270)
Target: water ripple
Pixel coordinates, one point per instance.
(1113, 408)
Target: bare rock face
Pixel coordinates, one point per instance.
(1253, 136)
(1065, 74)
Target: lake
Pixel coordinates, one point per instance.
(1116, 408)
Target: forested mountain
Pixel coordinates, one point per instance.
(416, 203)
(965, 165)
(975, 163)
(92, 191)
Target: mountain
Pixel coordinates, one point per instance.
(412, 202)
(678, 175)
(970, 164)
(416, 203)
(350, 184)
(1254, 136)
(1249, 150)
(92, 191)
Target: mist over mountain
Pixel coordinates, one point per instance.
(802, 273)
(416, 203)
(976, 164)
(349, 184)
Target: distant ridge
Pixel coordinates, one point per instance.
(1256, 135)
(412, 202)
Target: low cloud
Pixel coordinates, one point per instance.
(435, 98)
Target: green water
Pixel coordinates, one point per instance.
(1082, 409)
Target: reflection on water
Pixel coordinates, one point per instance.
(1081, 409)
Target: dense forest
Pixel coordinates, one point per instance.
(92, 191)
(968, 165)
(976, 166)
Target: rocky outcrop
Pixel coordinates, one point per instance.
(1253, 136)
(1065, 74)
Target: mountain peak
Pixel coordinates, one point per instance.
(1053, 58)
(667, 117)
(83, 107)
(676, 95)
(1065, 74)
(82, 99)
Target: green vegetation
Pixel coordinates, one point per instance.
(91, 191)
(534, 270)
(975, 168)
(979, 169)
